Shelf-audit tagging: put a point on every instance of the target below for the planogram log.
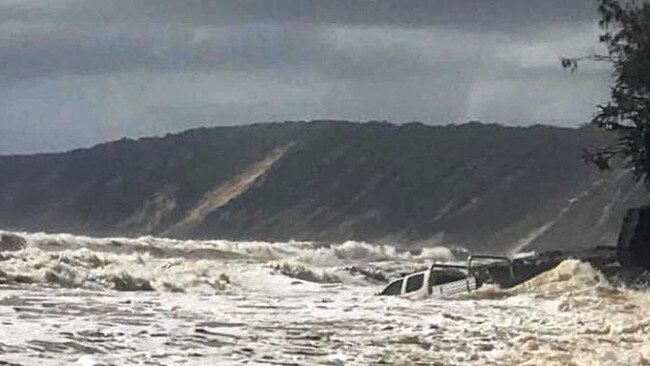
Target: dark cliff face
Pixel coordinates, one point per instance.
(486, 187)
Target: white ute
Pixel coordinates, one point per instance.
(444, 280)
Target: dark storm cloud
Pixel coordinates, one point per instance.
(90, 37)
(159, 49)
(63, 52)
(465, 14)
(352, 54)
(93, 70)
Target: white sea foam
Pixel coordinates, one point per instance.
(296, 302)
(149, 263)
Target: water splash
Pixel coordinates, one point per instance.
(68, 299)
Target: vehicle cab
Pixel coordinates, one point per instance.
(444, 280)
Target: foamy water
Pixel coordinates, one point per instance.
(76, 300)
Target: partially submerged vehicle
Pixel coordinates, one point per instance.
(444, 280)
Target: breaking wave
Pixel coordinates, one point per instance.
(311, 302)
(570, 277)
(159, 264)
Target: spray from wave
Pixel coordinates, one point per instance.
(161, 301)
(159, 264)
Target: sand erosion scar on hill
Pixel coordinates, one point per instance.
(229, 190)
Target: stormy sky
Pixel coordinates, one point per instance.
(78, 72)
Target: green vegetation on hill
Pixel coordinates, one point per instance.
(475, 185)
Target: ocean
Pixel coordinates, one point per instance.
(76, 300)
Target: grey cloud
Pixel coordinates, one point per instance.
(109, 50)
(91, 37)
(280, 49)
(474, 14)
(335, 52)
(84, 71)
(59, 52)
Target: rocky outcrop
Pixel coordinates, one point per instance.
(633, 248)
(11, 243)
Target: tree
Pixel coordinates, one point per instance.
(626, 34)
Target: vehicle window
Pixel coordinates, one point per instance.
(440, 277)
(415, 282)
(394, 288)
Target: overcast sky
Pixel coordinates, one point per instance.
(77, 72)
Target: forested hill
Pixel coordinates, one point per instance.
(486, 187)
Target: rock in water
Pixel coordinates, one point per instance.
(11, 243)
(126, 282)
(633, 248)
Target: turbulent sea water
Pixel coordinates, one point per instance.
(68, 299)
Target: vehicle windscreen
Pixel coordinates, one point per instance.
(394, 288)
